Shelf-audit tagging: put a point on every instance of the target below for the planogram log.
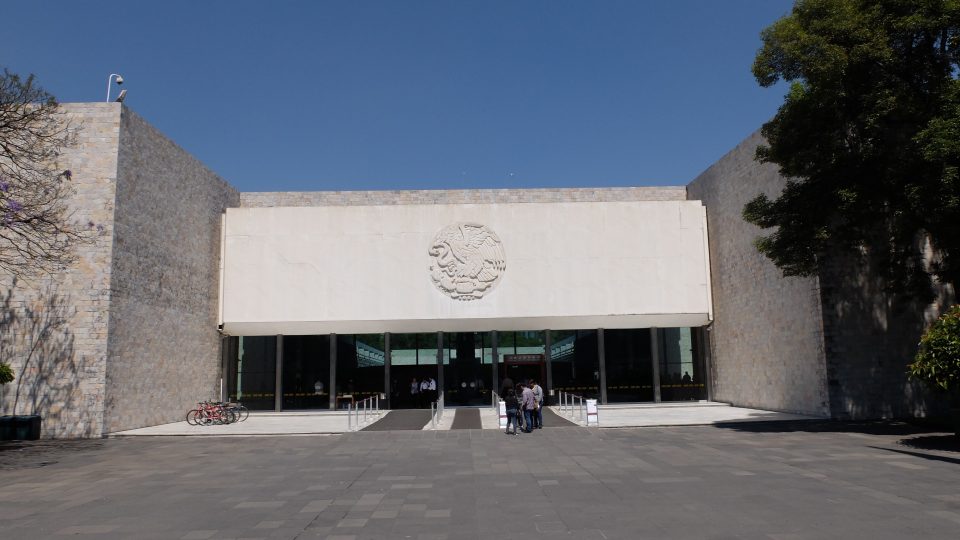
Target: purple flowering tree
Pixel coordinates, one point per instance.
(36, 229)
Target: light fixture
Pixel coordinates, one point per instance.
(123, 94)
(109, 79)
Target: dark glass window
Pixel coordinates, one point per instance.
(413, 357)
(575, 362)
(466, 377)
(306, 372)
(253, 377)
(523, 356)
(629, 365)
(681, 367)
(360, 360)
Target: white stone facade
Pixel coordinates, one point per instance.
(367, 269)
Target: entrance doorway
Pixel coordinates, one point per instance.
(523, 367)
(467, 369)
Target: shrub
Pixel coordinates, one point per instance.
(938, 360)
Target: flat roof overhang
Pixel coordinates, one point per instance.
(296, 328)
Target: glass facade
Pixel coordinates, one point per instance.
(575, 359)
(639, 365)
(306, 372)
(629, 363)
(522, 356)
(360, 364)
(681, 367)
(467, 368)
(413, 358)
(256, 372)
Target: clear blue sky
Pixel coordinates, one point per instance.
(319, 95)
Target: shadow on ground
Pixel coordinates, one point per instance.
(882, 427)
(16, 455)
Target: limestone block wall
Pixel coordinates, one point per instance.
(460, 196)
(767, 336)
(54, 329)
(164, 345)
(870, 337)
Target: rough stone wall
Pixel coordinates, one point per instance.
(163, 344)
(460, 196)
(870, 338)
(767, 335)
(54, 329)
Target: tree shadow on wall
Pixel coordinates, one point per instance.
(871, 334)
(35, 338)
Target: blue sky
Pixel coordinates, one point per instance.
(340, 95)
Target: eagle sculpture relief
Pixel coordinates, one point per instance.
(466, 260)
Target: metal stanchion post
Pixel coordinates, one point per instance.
(349, 419)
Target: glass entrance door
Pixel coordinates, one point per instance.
(467, 368)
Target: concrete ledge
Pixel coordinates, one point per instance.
(259, 423)
(701, 413)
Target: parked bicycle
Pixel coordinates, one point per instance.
(216, 413)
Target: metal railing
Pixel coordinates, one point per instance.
(363, 412)
(573, 406)
(436, 412)
(496, 400)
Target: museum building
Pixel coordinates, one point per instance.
(190, 289)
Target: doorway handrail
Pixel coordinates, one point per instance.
(573, 406)
(370, 408)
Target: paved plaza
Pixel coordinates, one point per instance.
(774, 481)
(328, 422)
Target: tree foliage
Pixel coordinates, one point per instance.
(6, 373)
(868, 137)
(36, 235)
(938, 361)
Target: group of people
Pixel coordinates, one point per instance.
(423, 393)
(524, 404)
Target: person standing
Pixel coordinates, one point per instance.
(512, 406)
(414, 392)
(538, 413)
(529, 407)
(425, 396)
(506, 385)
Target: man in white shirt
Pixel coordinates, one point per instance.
(425, 394)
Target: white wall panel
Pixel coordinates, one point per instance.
(352, 269)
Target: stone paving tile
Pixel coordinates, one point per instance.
(796, 481)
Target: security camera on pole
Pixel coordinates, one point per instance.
(109, 80)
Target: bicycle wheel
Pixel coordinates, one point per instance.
(192, 415)
(229, 416)
(242, 413)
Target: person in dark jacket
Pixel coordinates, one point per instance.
(513, 407)
(507, 385)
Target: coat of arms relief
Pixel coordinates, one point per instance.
(466, 260)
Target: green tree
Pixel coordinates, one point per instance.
(868, 137)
